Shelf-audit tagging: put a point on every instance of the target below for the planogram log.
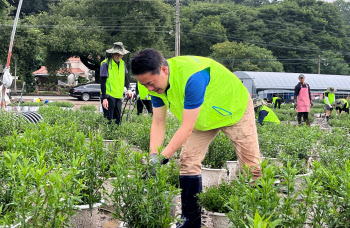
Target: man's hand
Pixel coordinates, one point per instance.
(138, 97)
(105, 104)
(154, 161)
(311, 104)
(295, 105)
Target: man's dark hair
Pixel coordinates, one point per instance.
(147, 60)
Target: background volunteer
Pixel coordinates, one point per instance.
(303, 101)
(329, 98)
(143, 99)
(114, 78)
(264, 114)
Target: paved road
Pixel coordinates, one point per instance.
(77, 103)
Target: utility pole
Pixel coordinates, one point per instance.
(177, 28)
(319, 64)
(15, 74)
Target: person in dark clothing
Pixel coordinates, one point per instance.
(276, 101)
(143, 99)
(303, 100)
(113, 74)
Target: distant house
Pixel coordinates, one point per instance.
(69, 72)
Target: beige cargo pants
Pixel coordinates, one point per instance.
(243, 136)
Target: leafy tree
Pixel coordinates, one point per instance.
(300, 30)
(332, 63)
(207, 32)
(240, 57)
(87, 28)
(201, 27)
(30, 6)
(344, 9)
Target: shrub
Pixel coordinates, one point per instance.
(216, 197)
(142, 202)
(91, 108)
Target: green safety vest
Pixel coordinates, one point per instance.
(271, 116)
(143, 91)
(274, 99)
(330, 98)
(116, 78)
(346, 102)
(225, 99)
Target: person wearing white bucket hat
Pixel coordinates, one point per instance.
(329, 99)
(114, 78)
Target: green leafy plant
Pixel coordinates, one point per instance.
(91, 108)
(65, 104)
(93, 174)
(261, 222)
(31, 104)
(142, 202)
(215, 198)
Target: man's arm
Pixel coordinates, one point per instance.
(262, 115)
(189, 118)
(308, 86)
(158, 128)
(126, 79)
(103, 79)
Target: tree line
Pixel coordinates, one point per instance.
(254, 35)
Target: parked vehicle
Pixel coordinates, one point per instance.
(86, 92)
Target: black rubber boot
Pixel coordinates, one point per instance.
(191, 211)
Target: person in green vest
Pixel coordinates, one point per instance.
(276, 101)
(207, 98)
(264, 114)
(341, 105)
(329, 99)
(113, 74)
(143, 99)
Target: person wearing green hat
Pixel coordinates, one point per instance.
(264, 114)
(341, 105)
(113, 74)
(207, 98)
(329, 98)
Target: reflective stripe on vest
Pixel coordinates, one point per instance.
(116, 78)
(143, 91)
(271, 116)
(330, 98)
(225, 99)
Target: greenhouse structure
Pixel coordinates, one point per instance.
(265, 84)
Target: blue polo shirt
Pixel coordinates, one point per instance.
(194, 91)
